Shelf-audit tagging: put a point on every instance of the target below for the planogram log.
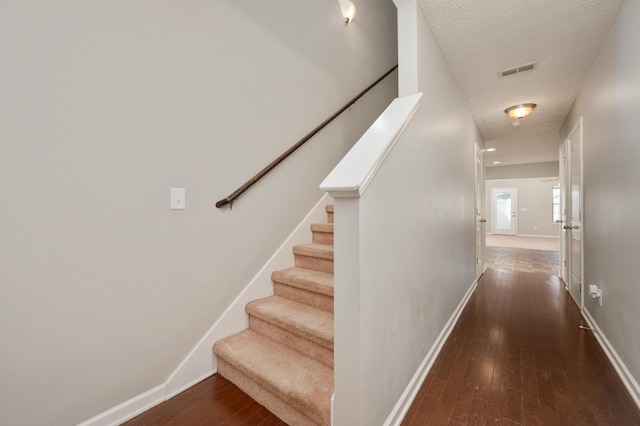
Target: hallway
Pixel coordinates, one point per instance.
(518, 357)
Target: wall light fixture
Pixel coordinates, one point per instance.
(348, 10)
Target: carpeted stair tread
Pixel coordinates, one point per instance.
(298, 380)
(322, 233)
(322, 227)
(306, 279)
(329, 208)
(302, 320)
(322, 251)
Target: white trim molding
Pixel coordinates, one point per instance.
(625, 375)
(355, 171)
(409, 394)
(128, 409)
(537, 236)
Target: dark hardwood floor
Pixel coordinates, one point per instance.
(214, 401)
(518, 357)
(515, 357)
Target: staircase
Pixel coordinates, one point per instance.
(284, 360)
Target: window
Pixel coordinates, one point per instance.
(555, 203)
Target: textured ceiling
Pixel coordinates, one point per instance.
(479, 38)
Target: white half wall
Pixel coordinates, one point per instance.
(405, 249)
(105, 106)
(609, 101)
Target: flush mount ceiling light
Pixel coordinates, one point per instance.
(348, 10)
(518, 112)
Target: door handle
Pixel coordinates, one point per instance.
(559, 221)
(483, 220)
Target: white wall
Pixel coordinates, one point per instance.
(534, 196)
(609, 101)
(106, 105)
(414, 247)
(522, 171)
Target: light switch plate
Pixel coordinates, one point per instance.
(178, 199)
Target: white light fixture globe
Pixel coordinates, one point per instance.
(518, 112)
(348, 10)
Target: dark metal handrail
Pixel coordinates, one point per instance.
(248, 184)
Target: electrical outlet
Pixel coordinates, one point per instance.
(596, 293)
(600, 298)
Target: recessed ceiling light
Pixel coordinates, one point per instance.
(496, 162)
(490, 149)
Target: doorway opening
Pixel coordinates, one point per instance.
(503, 211)
(522, 234)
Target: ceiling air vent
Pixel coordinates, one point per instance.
(516, 70)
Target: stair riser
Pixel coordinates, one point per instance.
(315, 263)
(307, 347)
(329, 210)
(307, 297)
(263, 396)
(323, 238)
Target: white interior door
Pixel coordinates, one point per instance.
(480, 219)
(572, 227)
(563, 214)
(503, 211)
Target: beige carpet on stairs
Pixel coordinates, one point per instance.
(284, 360)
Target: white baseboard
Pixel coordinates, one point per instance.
(175, 391)
(524, 235)
(625, 375)
(128, 409)
(201, 362)
(410, 392)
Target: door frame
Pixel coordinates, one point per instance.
(566, 235)
(564, 267)
(480, 219)
(514, 207)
